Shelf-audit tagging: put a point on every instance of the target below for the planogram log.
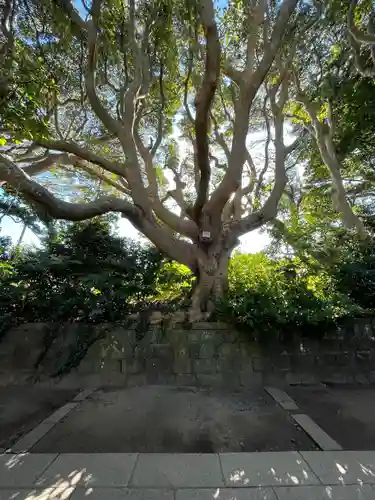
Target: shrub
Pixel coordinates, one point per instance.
(279, 299)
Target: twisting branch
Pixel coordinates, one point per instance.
(323, 135)
(46, 163)
(112, 125)
(84, 153)
(48, 204)
(78, 24)
(203, 102)
(45, 201)
(6, 45)
(361, 37)
(248, 88)
(161, 112)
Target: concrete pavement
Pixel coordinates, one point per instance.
(313, 475)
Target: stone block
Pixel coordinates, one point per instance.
(360, 378)
(364, 360)
(210, 325)
(261, 364)
(123, 366)
(205, 366)
(309, 379)
(193, 336)
(159, 371)
(159, 365)
(177, 317)
(22, 345)
(160, 378)
(186, 379)
(225, 350)
(343, 359)
(65, 343)
(111, 365)
(88, 367)
(207, 349)
(193, 350)
(207, 335)
(156, 318)
(232, 363)
(293, 378)
(162, 351)
(182, 364)
(137, 380)
(210, 380)
(282, 362)
(337, 378)
(371, 377)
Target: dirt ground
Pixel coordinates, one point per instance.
(23, 408)
(347, 414)
(171, 419)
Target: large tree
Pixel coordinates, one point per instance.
(152, 106)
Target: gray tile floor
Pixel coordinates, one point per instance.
(341, 475)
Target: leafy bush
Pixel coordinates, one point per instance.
(279, 299)
(174, 281)
(355, 272)
(84, 272)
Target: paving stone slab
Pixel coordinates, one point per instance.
(24, 469)
(352, 492)
(342, 467)
(317, 434)
(282, 398)
(122, 494)
(177, 470)
(31, 438)
(289, 405)
(60, 413)
(95, 469)
(266, 469)
(47, 494)
(81, 396)
(226, 494)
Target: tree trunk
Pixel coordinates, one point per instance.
(211, 285)
(19, 242)
(329, 157)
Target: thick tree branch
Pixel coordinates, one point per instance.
(84, 153)
(45, 164)
(78, 24)
(113, 126)
(48, 204)
(203, 102)
(248, 89)
(186, 227)
(40, 197)
(361, 37)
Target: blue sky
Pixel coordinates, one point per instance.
(251, 243)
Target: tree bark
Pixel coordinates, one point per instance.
(211, 284)
(328, 154)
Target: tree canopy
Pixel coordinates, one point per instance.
(196, 123)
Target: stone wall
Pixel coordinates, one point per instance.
(205, 354)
